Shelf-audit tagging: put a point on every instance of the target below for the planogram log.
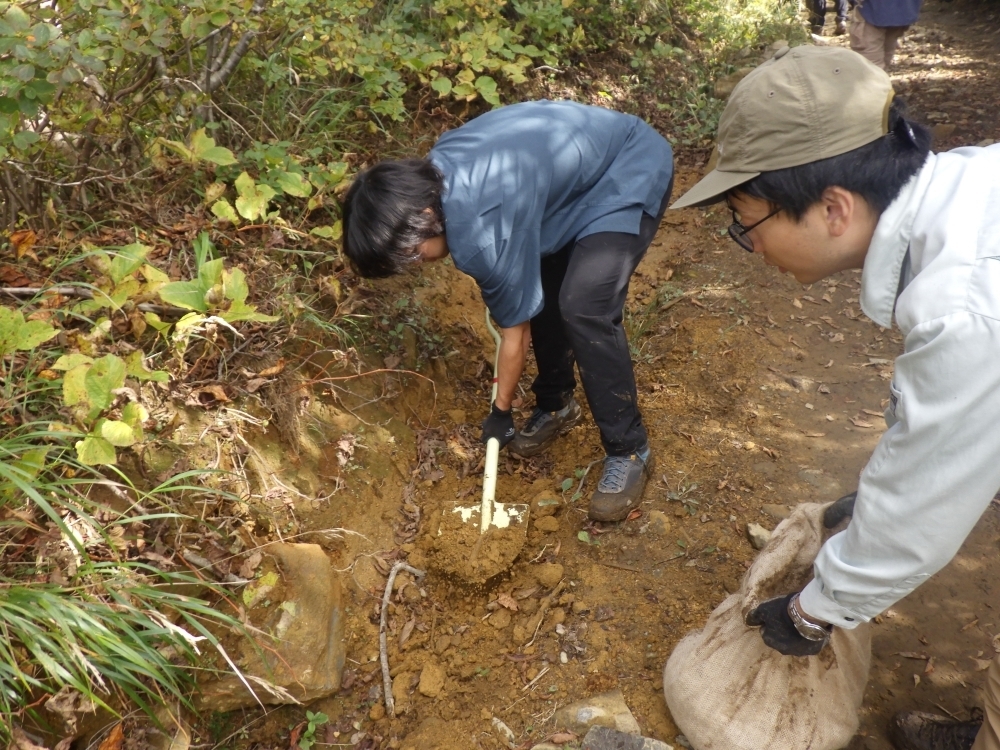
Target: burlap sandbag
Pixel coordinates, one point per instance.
(726, 690)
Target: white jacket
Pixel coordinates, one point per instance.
(937, 467)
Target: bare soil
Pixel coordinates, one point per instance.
(758, 393)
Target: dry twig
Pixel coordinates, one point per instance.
(390, 708)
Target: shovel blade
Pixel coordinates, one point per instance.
(460, 550)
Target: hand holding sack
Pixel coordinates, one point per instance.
(729, 690)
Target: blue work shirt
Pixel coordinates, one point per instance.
(527, 179)
(890, 12)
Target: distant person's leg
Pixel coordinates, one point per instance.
(989, 735)
(892, 36)
(867, 40)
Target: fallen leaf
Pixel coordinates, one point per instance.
(507, 601)
(634, 515)
(255, 384)
(913, 655)
(249, 565)
(603, 614)
(561, 738)
(772, 453)
(930, 666)
(525, 593)
(828, 364)
(796, 303)
(916, 679)
(807, 298)
(391, 362)
(11, 276)
(823, 389)
(23, 742)
(115, 739)
(276, 369)
(814, 434)
(407, 631)
(837, 338)
(872, 413)
(861, 423)
(207, 396)
(23, 242)
(969, 625)
(982, 664)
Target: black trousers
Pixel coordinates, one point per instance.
(817, 11)
(585, 284)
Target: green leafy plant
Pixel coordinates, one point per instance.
(313, 722)
(215, 292)
(17, 334)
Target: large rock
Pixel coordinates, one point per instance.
(603, 710)
(603, 738)
(758, 535)
(305, 659)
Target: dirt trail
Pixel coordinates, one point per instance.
(759, 394)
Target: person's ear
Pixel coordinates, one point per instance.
(839, 208)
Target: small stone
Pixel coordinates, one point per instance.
(485, 714)
(605, 738)
(547, 524)
(580, 607)
(942, 130)
(549, 574)
(401, 690)
(758, 535)
(377, 712)
(432, 678)
(556, 617)
(800, 383)
(605, 709)
(500, 619)
(563, 657)
(504, 733)
(545, 503)
(780, 512)
(659, 524)
(441, 644)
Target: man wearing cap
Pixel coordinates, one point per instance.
(823, 173)
(549, 206)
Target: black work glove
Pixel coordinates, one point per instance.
(500, 425)
(778, 630)
(843, 508)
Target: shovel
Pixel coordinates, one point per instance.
(478, 542)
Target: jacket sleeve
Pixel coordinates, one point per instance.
(928, 481)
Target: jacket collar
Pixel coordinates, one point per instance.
(880, 279)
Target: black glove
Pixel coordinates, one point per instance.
(778, 630)
(843, 508)
(500, 425)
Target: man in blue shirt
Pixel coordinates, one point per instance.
(549, 206)
(878, 25)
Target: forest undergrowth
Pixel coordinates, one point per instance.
(169, 181)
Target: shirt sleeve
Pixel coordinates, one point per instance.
(928, 481)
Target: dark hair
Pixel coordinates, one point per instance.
(877, 171)
(386, 218)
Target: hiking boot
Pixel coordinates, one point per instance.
(841, 28)
(621, 486)
(817, 29)
(915, 730)
(542, 428)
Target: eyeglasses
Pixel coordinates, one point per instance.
(739, 232)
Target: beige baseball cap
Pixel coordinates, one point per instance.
(804, 104)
